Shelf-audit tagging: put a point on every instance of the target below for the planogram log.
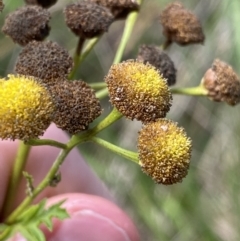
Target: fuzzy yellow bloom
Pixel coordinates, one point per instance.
(164, 151)
(26, 108)
(138, 91)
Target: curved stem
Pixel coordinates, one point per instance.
(130, 155)
(79, 58)
(19, 164)
(45, 182)
(102, 93)
(131, 19)
(198, 90)
(98, 85)
(74, 141)
(45, 142)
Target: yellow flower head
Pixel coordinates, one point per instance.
(164, 151)
(26, 108)
(138, 91)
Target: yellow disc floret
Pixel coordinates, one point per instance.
(138, 91)
(26, 108)
(164, 151)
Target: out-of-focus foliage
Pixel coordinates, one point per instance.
(206, 205)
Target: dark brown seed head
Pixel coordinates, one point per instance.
(180, 25)
(119, 8)
(76, 105)
(155, 56)
(164, 151)
(87, 19)
(222, 83)
(42, 3)
(45, 60)
(27, 24)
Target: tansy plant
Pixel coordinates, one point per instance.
(44, 88)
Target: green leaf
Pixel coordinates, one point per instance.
(29, 221)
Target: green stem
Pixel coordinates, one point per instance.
(102, 93)
(198, 90)
(111, 118)
(75, 140)
(131, 19)
(130, 155)
(86, 136)
(18, 166)
(46, 142)
(78, 59)
(166, 44)
(44, 183)
(98, 85)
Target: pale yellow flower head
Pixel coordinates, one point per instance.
(164, 151)
(138, 91)
(26, 108)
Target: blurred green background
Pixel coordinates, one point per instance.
(206, 205)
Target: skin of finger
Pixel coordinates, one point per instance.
(76, 175)
(91, 218)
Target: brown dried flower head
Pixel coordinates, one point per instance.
(119, 8)
(88, 19)
(155, 56)
(27, 24)
(180, 25)
(164, 151)
(222, 83)
(76, 105)
(138, 91)
(45, 60)
(42, 3)
(1, 5)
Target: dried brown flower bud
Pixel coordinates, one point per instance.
(138, 91)
(87, 19)
(1, 5)
(45, 60)
(155, 56)
(180, 25)
(119, 8)
(222, 83)
(164, 151)
(43, 3)
(27, 24)
(76, 105)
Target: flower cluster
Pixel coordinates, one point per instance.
(41, 92)
(139, 91)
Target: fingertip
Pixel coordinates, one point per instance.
(91, 218)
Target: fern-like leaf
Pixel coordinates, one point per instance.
(27, 224)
